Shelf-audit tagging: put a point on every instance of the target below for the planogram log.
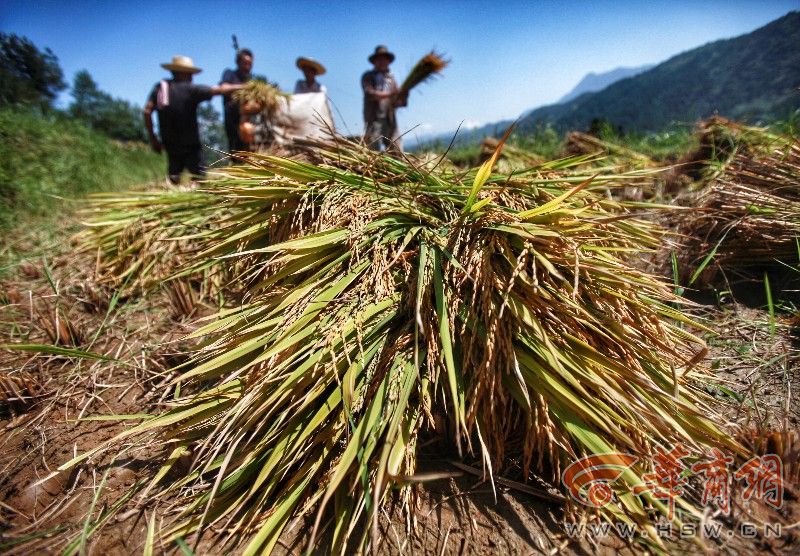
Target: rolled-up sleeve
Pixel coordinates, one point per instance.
(202, 93)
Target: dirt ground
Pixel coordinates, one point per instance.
(54, 407)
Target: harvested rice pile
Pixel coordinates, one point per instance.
(382, 299)
(143, 238)
(747, 217)
(720, 140)
(578, 143)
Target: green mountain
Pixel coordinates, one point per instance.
(593, 82)
(753, 77)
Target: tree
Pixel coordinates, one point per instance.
(115, 117)
(28, 76)
(87, 96)
(212, 132)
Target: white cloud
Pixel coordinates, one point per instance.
(470, 124)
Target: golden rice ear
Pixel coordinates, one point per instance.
(425, 69)
(182, 298)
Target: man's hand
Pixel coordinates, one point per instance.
(401, 99)
(155, 144)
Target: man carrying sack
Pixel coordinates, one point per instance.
(176, 102)
(382, 97)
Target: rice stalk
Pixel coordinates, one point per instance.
(426, 68)
(380, 294)
(260, 96)
(142, 238)
(747, 217)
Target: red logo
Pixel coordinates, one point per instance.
(589, 479)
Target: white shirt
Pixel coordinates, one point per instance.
(302, 87)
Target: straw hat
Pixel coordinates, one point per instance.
(381, 50)
(310, 63)
(181, 64)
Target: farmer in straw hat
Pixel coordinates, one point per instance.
(176, 102)
(311, 69)
(381, 98)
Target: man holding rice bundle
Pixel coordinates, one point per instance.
(382, 97)
(176, 102)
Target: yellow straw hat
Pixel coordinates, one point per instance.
(310, 63)
(181, 64)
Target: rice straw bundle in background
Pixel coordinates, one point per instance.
(428, 66)
(747, 217)
(259, 96)
(142, 238)
(720, 140)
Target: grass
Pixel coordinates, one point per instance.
(46, 164)
(46, 159)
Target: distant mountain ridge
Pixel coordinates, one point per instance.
(752, 78)
(593, 82)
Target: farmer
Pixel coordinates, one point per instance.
(244, 65)
(311, 69)
(176, 102)
(381, 97)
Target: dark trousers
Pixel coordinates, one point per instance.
(383, 131)
(188, 157)
(232, 132)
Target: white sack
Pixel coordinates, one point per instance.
(303, 116)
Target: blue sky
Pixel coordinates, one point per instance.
(507, 57)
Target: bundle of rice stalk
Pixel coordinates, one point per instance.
(578, 143)
(747, 218)
(426, 68)
(259, 96)
(142, 238)
(266, 212)
(721, 140)
(399, 295)
(511, 158)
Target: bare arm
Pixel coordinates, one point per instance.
(148, 124)
(399, 96)
(377, 95)
(225, 88)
